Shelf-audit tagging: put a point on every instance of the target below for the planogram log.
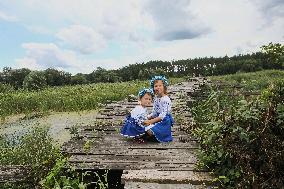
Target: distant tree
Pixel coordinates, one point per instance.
(57, 78)
(78, 79)
(2, 78)
(273, 55)
(35, 80)
(103, 75)
(14, 77)
(112, 77)
(98, 75)
(17, 77)
(250, 65)
(145, 74)
(5, 75)
(160, 71)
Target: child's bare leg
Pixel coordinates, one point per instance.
(149, 132)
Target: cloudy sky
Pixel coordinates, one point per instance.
(78, 36)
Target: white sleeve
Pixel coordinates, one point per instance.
(165, 107)
(154, 113)
(139, 114)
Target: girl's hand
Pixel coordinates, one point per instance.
(147, 122)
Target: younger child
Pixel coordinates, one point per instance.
(134, 124)
(160, 121)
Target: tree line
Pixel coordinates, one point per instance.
(271, 56)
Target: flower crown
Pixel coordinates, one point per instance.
(143, 91)
(163, 78)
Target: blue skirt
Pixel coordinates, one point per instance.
(162, 130)
(131, 128)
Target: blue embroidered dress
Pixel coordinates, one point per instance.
(162, 130)
(133, 124)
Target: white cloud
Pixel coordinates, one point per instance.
(40, 56)
(82, 38)
(6, 17)
(45, 55)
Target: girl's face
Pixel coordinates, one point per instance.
(146, 100)
(159, 87)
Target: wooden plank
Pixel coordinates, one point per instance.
(151, 185)
(130, 165)
(13, 173)
(111, 144)
(156, 176)
(126, 151)
(160, 158)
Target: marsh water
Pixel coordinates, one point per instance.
(56, 123)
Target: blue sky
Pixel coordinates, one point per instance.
(78, 36)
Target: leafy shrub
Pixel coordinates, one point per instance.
(242, 138)
(33, 149)
(63, 176)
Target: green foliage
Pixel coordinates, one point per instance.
(149, 73)
(64, 176)
(57, 78)
(33, 149)
(6, 88)
(35, 80)
(14, 77)
(47, 166)
(103, 75)
(242, 138)
(79, 79)
(274, 54)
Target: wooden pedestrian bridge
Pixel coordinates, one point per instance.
(141, 165)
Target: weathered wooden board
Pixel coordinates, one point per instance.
(13, 173)
(157, 176)
(151, 185)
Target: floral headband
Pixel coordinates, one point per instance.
(163, 78)
(143, 91)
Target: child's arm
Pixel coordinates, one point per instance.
(165, 108)
(152, 121)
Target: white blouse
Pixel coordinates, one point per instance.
(161, 107)
(139, 113)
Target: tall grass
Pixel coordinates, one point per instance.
(253, 81)
(69, 98)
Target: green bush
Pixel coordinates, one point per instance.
(33, 149)
(242, 138)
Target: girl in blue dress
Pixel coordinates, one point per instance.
(134, 123)
(159, 123)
